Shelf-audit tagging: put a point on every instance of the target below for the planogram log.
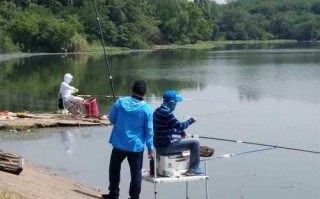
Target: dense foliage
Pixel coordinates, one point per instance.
(69, 25)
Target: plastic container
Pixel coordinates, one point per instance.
(91, 107)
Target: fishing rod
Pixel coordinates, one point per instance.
(235, 154)
(104, 51)
(255, 143)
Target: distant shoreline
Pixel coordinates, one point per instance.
(97, 48)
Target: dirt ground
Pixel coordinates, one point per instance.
(37, 183)
(43, 120)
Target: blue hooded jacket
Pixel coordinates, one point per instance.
(132, 125)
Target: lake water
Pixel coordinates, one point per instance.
(269, 95)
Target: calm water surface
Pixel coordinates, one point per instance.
(269, 95)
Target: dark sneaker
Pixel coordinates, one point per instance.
(195, 172)
(108, 196)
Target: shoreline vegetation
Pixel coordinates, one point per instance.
(70, 26)
(111, 50)
(95, 47)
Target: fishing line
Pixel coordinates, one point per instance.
(256, 143)
(228, 155)
(209, 100)
(215, 113)
(104, 51)
(161, 98)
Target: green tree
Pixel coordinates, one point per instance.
(135, 27)
(182, 21)
(307, 31)
(315, 8)
(6, 44)
(36, 29)
(280, 26)
(227, 22)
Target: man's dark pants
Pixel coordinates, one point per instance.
(135, 160)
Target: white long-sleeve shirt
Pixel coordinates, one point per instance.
(65, 89)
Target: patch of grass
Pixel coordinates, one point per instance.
(214, 44)
(7, 195)
(97, 47)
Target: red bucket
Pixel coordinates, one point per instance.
(91, 106)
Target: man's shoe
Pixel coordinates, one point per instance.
(195, 172)
(108, 196)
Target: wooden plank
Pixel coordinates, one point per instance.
(11, 163)
(50, 120)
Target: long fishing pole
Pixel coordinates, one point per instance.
(104, 51)
(235, 154)
(255, 143)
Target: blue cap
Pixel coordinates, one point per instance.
(170, 95)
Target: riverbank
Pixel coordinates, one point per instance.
(217, 44)
(96, 47)
(37, 183)
(201, 45)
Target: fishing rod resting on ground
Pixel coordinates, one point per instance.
(104, 51)
(255, 143)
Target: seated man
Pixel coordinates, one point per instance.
(66, 90)
(165, 125)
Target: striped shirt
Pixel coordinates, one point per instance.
(165, 124)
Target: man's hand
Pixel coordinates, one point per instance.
(150, 153)
(193, 120)
(183, 135)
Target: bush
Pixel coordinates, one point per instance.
(40, 31)
(77, 44)
(6, 44)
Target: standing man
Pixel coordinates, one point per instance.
(165, 125)
(131, 117)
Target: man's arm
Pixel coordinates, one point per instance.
(113, 113)
(177, 125)
(149, 132)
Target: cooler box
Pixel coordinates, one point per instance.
(91, 107)
(173, 164)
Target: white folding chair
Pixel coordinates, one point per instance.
(71, 107)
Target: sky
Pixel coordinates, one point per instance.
(220, 1)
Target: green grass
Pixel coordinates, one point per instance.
(214, 44)
(7, 195)
(97, 47)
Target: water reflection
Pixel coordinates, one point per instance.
(67, 139)
(32, 83)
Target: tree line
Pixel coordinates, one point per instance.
(70, 25)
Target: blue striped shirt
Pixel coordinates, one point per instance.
(165, 124)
